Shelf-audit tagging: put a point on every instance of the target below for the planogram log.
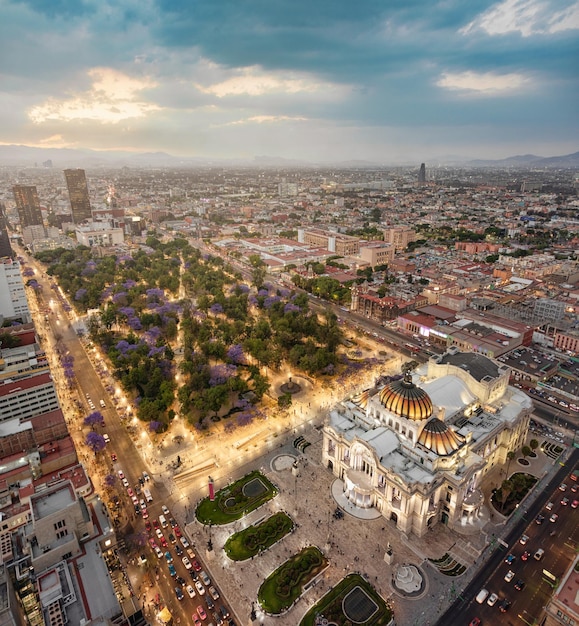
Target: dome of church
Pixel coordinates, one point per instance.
(439, 438)
(404, 398)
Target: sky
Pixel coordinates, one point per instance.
(387, 81)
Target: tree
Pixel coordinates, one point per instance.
(533, 444)
(525, 451)
(95, 442)
(505, 491)
(94, 419)
(510, 456)
(284, 401)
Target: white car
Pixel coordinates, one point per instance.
(200, 588)
(184, 542)
(121, 474)
(190, 591)
(186, 562)
(523, 540)
(159, 532)
(509, 575)
(165, 510)
(158, 552)
(125, 482)
(492, 599)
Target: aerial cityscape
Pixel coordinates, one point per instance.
(289, 313)
(289, 395)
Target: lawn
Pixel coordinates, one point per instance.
(236, 500)
(255, 539)
(282, 587)
(335, 602)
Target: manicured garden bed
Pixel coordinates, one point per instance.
(253, 540)
(283, 586)
(506, 498)
(352, 601)
(236, 500)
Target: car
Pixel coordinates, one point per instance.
(158, 552)
(184, 542)
(177, 532)
(520, 584)
(510, 559)
(194, 575)
(525, 556)
(137, 509)
(206, 580)
(209, 601)
(549, 506)
(554, 518)
(186, 562)
(523, 540)
(113, 457)
(190, 553)
(492, 599)
(180, 580)
(201, 612)
(178, 550)
(172, 538)
(126, 483)
(163, 541)
(196, 565)
(172, 570)
(574, 504)
(565, 501)
(152, 543)
(168, 557)
(130, 492)
(539, 554)
(146, 476)
(540, 519)
(148, 526)
(213, 592)
(196, 620)
(200, 588)
(574, 488)
(165, 510)
(172, 522)
(158, 532)
(509, 575)
(106, 438)
(190, 591)
(562, 487)
(144, 513)
(504, 605)
(179, 593)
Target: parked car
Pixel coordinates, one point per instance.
(509, 576)
(504, 605)
(492, 599)
(520, 584)
(179, 593)
(200, 588)
(190, 591)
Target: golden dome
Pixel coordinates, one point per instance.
(362, 399)
(404, 398)
(439, 438)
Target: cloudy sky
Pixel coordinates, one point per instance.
(389, 80)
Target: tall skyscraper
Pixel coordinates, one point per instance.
(5, 247)
(78, 194)
(422, 173)
(27, 205)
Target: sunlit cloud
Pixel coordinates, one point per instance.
(113, 97)
(484, 84)
(266, 119)
(252, 81)
(527, 17)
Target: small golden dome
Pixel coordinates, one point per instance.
(439, 438)
(361, 399)
(404, 398)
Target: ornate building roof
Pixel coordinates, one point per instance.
(439, 438)
(404, 398)
(361, 399)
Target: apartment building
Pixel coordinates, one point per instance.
(343, 245)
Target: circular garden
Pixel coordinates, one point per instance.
(236, 500)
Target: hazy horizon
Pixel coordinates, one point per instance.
(323, 81)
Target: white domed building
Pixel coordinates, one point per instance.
(417, 449)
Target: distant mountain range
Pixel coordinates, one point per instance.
(61, 158)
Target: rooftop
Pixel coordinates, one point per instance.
(477, 365)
